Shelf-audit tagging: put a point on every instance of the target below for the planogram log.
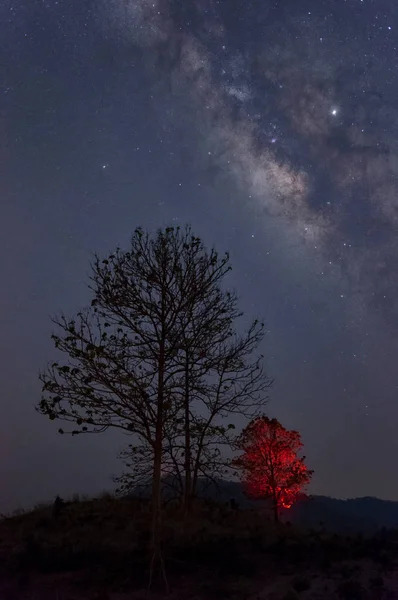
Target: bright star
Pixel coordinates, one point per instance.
(334, 111)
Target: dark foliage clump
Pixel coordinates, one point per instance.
(58, 507)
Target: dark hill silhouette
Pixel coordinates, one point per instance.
(366, 515)
(357, 515)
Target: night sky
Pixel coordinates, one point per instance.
(272, 128)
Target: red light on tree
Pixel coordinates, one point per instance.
(269, 463)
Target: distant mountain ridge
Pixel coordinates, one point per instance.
(357, 515)
(362, 515)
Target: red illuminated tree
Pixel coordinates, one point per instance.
(269, 463)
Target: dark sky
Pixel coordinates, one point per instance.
(271, 127)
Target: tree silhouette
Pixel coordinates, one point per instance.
(220, 376)
(157, 338)
(269, 462)
(222, 381)
(122, 368)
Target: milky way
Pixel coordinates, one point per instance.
(291, 106)
(271, 127)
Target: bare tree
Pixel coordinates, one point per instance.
(221, 376)
(124, 366)
(236, 386)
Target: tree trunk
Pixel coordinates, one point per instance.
(187, 428)
(275, 508)
(197, 459)
(156, 541)
(156, 559)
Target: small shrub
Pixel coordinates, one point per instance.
(106, 496)
(301, 584)
(58, 507)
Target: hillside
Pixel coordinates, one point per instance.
(95, 549)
